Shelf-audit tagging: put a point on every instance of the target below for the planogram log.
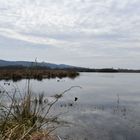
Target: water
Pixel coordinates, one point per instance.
(108, 105)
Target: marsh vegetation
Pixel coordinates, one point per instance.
(39, 74)
(24, 116)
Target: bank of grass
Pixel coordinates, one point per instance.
(18, 74)
(26, 117)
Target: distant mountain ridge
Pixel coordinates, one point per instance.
(4, 63)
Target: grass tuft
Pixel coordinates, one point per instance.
(27, 117)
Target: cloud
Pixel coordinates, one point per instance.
(28, 38)
(84, 28)
(89, 18)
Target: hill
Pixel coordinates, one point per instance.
(4, 63)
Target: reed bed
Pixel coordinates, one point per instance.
(18, 74)
(25, 117)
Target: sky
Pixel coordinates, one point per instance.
(89, 33)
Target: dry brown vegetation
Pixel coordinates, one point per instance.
(27, 117)
(18, 74)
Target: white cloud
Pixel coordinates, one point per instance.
(86, 28)
(32, 39)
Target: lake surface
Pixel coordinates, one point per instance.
(108, 105)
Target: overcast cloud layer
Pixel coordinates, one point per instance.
(91, 33)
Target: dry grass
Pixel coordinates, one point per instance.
(27, 117)
(18, 74)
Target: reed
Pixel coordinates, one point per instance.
(18, 74)
(26, 117)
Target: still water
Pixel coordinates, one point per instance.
(108, 105)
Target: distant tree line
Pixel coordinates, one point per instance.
(78, 69)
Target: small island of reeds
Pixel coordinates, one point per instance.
(16, 74)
